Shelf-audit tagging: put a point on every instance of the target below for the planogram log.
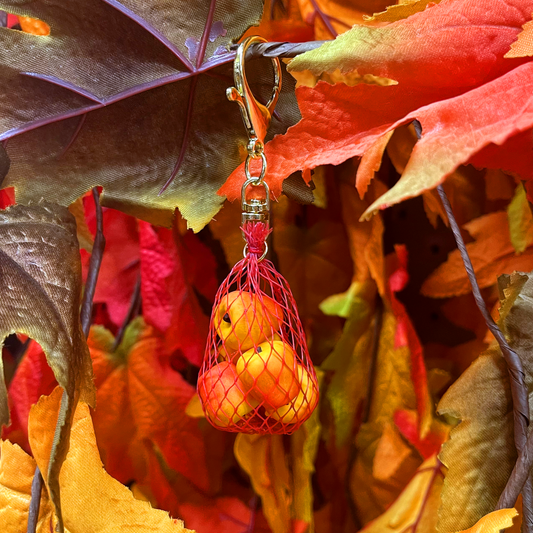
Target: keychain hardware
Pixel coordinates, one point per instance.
(257, 376)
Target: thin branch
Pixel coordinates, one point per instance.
(514, 364)
(35, 502)
(283, 49)
(133, 311)
(94, 266)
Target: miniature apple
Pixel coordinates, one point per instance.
(243, 319)
(266, 371)
(223, 395)
(303, 405)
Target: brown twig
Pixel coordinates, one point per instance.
(514, 365)
(94, 266)
(35, 501)
(133, 311)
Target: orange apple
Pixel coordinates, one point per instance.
(266, 371)
(303, 405)
(243, 319)
(223, 395)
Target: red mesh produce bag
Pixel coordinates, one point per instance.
(256, 376)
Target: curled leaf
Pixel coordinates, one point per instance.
(40, 280)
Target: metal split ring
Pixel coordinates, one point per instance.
(263, 255)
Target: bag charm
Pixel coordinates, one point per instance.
(256, 376)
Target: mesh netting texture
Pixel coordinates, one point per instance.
(256, 376)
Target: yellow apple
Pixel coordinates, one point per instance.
(243, 320)
(266, 371)
(223, 395)
(303, 405)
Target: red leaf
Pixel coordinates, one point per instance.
(33, 378)
(406, 336)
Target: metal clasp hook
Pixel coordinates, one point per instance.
(255, 115)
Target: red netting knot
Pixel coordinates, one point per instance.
(256, 234)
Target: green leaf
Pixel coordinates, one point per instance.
(520, 220)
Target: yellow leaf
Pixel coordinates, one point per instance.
(480, 453)
(520, 220)
(494, 522)
(304, 446)
(92, 501)
(417, 505)
(17, 469)
(401, 10)
(523, 46)
(263, 459)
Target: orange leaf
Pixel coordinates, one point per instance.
(492, 254)
(523, 46)
(493, 522)
(139, 392)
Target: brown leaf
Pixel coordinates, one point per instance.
(481, 451)
(129, 104)
(40, 280)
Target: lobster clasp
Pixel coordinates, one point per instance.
(255, 115)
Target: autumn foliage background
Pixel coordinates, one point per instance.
(401, 350)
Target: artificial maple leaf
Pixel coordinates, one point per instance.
(85, 486)
(415, 510)
(402, 10)
(282, 22)
(17, 470)
(119, 270)
(459, 106)
(520, 220)
(33, 379)
(131, 105)
(41, 287)
(315, 261)
(169, 490)
(522, 46)
(263, 458)
(371, 163)
(493, 522)
(140, 392)
(481, 453)
(492, 253)
(171, 268)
